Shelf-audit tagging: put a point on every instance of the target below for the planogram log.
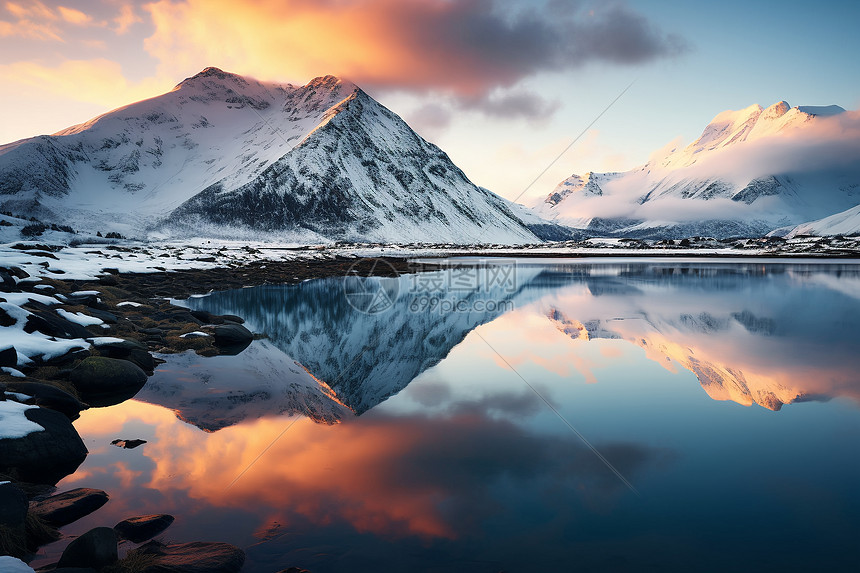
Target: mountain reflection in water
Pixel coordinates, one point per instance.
(402, 441)
(770, 334)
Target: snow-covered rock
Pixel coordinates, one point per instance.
(750, 172)
(13, 423)
(227, 156)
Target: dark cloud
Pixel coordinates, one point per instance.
(430, 119)
(520, 104)
(474, 46)
(435, 117)
(621, 36)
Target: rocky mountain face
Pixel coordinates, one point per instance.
(750, 173)
(226, 156)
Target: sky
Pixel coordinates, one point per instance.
(502, 86)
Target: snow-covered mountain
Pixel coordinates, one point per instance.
(223, 155)
(750, 172)
(844, 223)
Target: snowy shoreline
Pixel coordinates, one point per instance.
(51, 259)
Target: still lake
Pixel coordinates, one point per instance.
(528, 415)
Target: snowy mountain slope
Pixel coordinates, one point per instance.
(750, 172)
(232, 156)
(844, 223)
(362, 174)
(141, 161)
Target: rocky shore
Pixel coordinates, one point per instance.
(68, 345)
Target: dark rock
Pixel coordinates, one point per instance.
(232, 335)
(5, 318)
(106, 381)
(128, 444)
(105, 316)
(108, 280)
(45, 254)
(142, 528)
(9, 357)
(46, 456)
(84, 299)
(96, 548)
(7, 282)
(121, 347)
(18, 272)
(197, 557)
(73, 570)
(29, 285)
(13, 506)
(207, 317)
(67, 358)
(294, 570)
(152, 331)
(233, 318)
(49, 396)
(132, 351)
(68, 507)
(46, 321)
(183, 316)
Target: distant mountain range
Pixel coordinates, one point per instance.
(751, 172)
(226, 156)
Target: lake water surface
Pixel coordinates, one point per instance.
(530, 415)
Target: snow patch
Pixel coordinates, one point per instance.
(13, 372)
(79, 318)
(13, 422)
(194, 334)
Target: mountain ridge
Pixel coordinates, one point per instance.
(180, 164)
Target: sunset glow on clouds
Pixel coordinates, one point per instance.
(467, 47)
(474, 75)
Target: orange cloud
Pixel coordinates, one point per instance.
(467, 48)
(126, 19)
(393, 476)
(35, 21)
(32, 10)
(98, 81)
(74, 16)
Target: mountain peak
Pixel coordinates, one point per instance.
(778, 109)
(211, 73)
(737, 117)
(331, 83)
